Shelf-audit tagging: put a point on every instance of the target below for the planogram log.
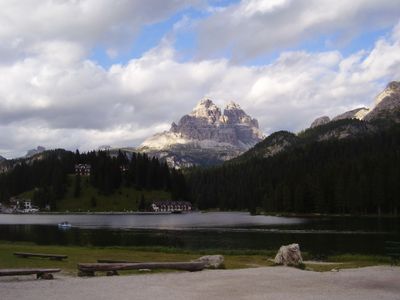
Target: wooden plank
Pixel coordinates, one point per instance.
(14, 272)
(44, 255)
(185, 266)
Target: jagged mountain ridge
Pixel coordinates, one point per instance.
(354, 123)
(387, 106)
(206, 136)
(385, 111)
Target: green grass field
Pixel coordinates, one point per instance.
(92, 254)
(233, 259)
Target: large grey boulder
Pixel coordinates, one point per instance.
(212, 261)
(289, 255)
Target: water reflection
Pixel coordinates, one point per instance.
(160, 221)
(206, 231)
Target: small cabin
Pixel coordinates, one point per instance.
(82, 169)
(171, 206)
(22, 205)
(28, 207)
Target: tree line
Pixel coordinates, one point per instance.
(347, 176)
(49, 176)
(136, 170)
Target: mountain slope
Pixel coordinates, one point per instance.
(270, 146)
(356, 175)
(355, 123)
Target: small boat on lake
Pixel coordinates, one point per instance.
(64, 225)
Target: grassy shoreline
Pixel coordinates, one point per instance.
(234, 259)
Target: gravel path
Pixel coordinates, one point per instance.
(382, 282)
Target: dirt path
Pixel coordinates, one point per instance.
(381, 283)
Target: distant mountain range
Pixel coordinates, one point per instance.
(208, 136)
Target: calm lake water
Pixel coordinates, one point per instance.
(229, 230)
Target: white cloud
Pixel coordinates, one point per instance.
(83, 105)
(253, 27)
(25, 24)
(51, 94)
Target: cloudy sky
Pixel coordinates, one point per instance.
(86, 73)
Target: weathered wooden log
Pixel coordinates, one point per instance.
(43, 255)
(40, 273)
(104, 267)
(111, 261)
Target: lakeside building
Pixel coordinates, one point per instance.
(83, 169)
(21, 206)
(171, 206)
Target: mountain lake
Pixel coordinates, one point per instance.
(212, 230)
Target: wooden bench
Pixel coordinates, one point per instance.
(392, 250)
(40, 273)
(89, 269)
(43, 255)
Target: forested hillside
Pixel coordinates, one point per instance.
(358, 175)
(51, 175)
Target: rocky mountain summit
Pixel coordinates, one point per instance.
(33, 152)
(386, 110)
(387, 106)
(205, 136)
(320, 121)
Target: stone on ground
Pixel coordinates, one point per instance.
(289, 255)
